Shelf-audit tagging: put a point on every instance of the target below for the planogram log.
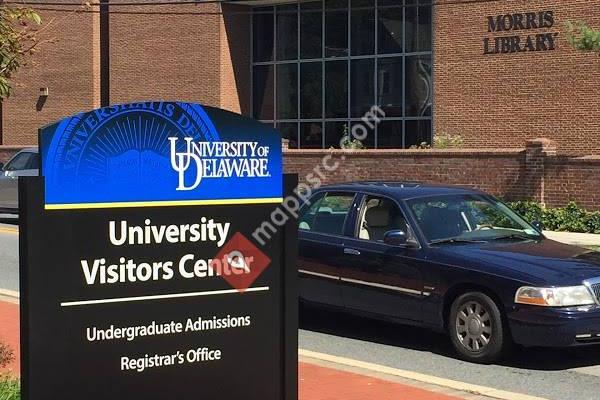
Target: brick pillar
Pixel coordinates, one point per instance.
(536, 152)
(285, 144)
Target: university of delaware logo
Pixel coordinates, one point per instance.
(159, 153)
(181, 162)
(200, 160)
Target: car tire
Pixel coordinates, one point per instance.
(477, 328)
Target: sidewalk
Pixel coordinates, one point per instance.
(9, 333)
(316, 382)
(574, 238)
(322, 383)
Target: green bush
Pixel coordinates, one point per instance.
(570, 218)
(530, 210)
(10, 388)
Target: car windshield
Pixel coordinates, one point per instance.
(470, 217)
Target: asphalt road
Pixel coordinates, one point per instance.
(9, 257)
(562, 374)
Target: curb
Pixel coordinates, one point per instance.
(415, 376)
(9, 295)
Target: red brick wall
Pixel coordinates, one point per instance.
(172, 52)
(502, 100)
(534, 173)
(573, 179)
(165, 52)
(68, 67)
(235, 33)
(496, 171)
(191, 52)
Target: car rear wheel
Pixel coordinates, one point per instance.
(477, 329)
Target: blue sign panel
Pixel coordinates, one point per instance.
(159, 153)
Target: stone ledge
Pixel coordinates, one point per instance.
(407, 152)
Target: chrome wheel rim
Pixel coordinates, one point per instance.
(474, 326)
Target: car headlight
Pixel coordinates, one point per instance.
(555, 297)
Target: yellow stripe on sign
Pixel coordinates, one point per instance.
(9, 230)
(128, 204)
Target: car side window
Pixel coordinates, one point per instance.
(379, 215)
(34, 161)
(18, 163)
(309, 212)
(328, 215)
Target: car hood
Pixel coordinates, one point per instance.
(543, 262)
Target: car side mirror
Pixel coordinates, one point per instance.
(396, 238)
(538, 226)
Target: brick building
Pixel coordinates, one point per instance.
(496, 73)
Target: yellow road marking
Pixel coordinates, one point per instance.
(416, 376)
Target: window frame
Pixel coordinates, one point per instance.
(427, 120)
(358, 218)
(351, 212)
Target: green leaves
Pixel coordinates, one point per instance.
(34, 17)
(582, 37)
(349, 142)
(5, 88)
(570, 218)
(17, 41)
(10, 388)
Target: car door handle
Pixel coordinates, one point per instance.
(354, 252)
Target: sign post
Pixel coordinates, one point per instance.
(140, 278)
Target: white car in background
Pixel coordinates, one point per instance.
(25, 163)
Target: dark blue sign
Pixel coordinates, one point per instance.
(159, 153)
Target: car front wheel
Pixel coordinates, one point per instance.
(477, 329)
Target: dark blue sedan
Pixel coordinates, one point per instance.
(447, 258)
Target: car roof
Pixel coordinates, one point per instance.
(29, 150)
(400, 190)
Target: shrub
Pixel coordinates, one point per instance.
(530, 210)
(570, 218)
(593, 222)
(349, 142)
(445, 141)
(441, 141)
(6, 355)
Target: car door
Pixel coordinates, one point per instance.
(321, 228)
(24, 163)
(377, 277)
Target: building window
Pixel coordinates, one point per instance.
(319, 66)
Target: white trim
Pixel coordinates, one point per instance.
(303, 271)
(161, 296)
(379, 285)
(365, 283)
